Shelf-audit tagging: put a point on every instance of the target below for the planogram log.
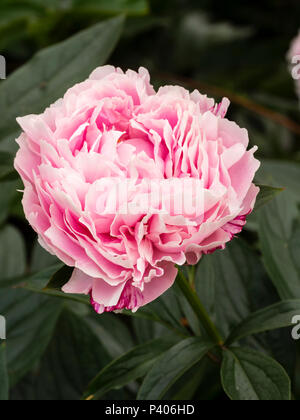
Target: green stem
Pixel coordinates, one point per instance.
(192, 274)
(199, 309)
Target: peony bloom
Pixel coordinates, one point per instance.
(111, 133)
(294, 62)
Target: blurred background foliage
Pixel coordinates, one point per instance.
(233, 48)
(221, 49)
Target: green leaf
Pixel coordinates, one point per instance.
(210, 387)
(9, 196)
(52, 71)
(112, 331)
(14, 17)
(4, 382)
(266, 194)
(12, 253)
(38, 280)
(9, 175)
(48, 3)
(12, 9)
(72, 359)
(295, 246)
(47, 281)
(146, 330)
(7, 171)
(199, 310)
(31, 320)
(171, 366)
(274, 317)
(41, 259)
(278, 237)
(130, 7)
(250, 376)
(6, 159)
(204, 374)
(232, 284)
(223, 284)
(60, 278)
(58, 294)
(129, 367)
(167, 309)
(164, 310)
(283, 173)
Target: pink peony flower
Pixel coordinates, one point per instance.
(111, 133)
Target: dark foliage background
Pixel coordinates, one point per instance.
(56, 346)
